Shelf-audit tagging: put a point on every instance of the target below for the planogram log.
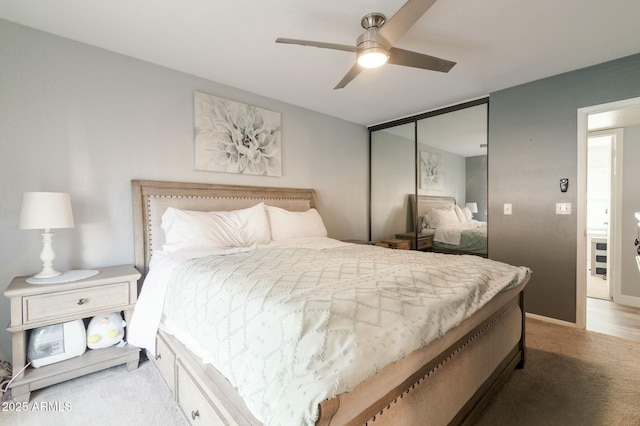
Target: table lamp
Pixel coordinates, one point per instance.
(473, 207)
(46, 210)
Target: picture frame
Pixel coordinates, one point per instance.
(431, 171)
(234, 137)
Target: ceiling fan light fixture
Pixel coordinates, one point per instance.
(372, 57)
(375, 46)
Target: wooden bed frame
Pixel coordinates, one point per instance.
(447, 382)
(423, 205)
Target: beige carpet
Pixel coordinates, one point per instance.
(112, 397)
(571, 377)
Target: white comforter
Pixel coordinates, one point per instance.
(290, 327)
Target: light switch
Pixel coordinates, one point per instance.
(507, 209)
(563, 208)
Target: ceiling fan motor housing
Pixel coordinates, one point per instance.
(370, 39)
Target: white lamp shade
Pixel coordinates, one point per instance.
(45, 210)
(473, 207)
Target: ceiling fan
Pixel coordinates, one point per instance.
(374, 47)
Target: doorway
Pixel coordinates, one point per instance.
(609, 117)
(600, 156)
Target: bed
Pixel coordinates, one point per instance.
(447, 381)
(459, 235)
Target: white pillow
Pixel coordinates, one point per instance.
(425, 222)
(286, 225)
(460, 214)
(467, 214)
(238, 228)
(441, 216)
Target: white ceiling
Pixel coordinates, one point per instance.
(496, 44)
(623, 117)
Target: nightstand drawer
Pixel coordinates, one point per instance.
(193, 403)
(425, 242)
(67, 303)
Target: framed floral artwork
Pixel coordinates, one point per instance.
(233, 137)
(431, 171)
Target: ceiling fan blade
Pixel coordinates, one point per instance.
(404, 19)
(418, 60)
(321, 44)
(353, 72)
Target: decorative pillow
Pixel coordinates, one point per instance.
(237, 228)
(286, 225)
(441, 216)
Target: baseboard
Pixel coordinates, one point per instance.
(627, 300)
(551, 320)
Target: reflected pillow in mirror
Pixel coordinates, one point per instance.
(425, 222)
(467, 214)
(460, 214)
(441, 216)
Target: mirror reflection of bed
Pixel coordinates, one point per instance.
(452, 227)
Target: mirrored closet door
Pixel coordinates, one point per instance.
(432, 160)
(393, 178)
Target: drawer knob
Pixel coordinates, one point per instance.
(195, 414)
(81, 301)
(158, 357)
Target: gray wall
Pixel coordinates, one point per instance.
(393, 162)
(476, 184)
(533, 143)
(78, 119)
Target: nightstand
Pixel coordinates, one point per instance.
(425, 241)
(113, 289)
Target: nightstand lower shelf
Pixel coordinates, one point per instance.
(91, 361)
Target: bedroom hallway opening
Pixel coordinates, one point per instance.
(606, 296)
(599, 185)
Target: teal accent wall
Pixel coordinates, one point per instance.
(532, 144)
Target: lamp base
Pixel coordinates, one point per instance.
(50, 273)
(64, 277)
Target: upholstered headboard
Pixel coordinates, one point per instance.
(152, 198)
(428, 202)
